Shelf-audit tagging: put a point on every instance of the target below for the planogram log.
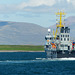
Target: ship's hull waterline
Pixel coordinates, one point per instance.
(60, 54)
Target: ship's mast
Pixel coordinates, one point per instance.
(60, 21)
(60, 16)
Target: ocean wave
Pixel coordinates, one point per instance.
(36, 60)
(56, 59)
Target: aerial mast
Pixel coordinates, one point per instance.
(60, 21)
(60, 16)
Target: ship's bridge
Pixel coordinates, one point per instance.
(65, 38)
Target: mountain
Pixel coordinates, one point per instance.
(18, 33)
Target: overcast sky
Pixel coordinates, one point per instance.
(41, 12)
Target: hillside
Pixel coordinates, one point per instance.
(18, 33)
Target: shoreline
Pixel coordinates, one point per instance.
(18, 51)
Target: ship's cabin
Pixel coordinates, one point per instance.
(65, 34)
(65, 38)
(65, 30)
(49, 38)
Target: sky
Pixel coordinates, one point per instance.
(40, 12)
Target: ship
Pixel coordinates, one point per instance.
(58, 43)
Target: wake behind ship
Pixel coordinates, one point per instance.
(58, 43)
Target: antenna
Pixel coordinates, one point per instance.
(60, 21)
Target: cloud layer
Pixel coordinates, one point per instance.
(33, 3)
(39, 6)
(40, 12)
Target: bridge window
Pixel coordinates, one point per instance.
(65, 35)
(50, 38)
(67, 39)
(61, 39)
(62, 45)
(65, 45)
(68, 35)
(64, 39)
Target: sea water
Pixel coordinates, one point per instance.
(34, 63)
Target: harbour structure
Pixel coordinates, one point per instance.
(58, 44)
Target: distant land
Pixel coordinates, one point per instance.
(21, 48)
(20, 33)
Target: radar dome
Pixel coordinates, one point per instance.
(49, 30)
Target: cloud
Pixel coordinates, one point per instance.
(30, 5)
(47, 5)
(33, 3)
(73, 2)
(38, 6)
(68, 1)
